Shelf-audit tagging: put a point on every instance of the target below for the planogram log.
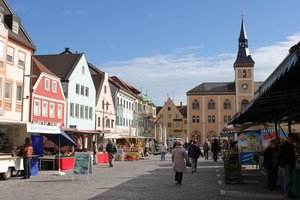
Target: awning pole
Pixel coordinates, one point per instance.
(276, 130)
(289, 126)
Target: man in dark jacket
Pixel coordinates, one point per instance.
(287, 162)
(271, 164)
(194, 153)
(111, 150)
(215, 149)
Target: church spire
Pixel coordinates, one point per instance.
(243, 53)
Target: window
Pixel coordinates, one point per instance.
(36, 109)
(197, 119)
(107, 123)
(194, 119)
(60, 110)
(177, 125)
(244, 73)
(1, 50)
(211, 104)
(81, 111)
(195, 105)
(21, 61)
(77, 88)
(99, 121)
(91, 113)
(161, 115)
(10, 54)
(169, 125)
(19, 93)
(54, 86)
(82, 90)
(71, 109)
(112, 123)
(47, 84)
(244, 104)
(213, 119)
(15, 27)
(45, 109)
(51, 111)
(77, 110)
(86, 112)
(82, 69)
(8, 88)
(177, 116)
(227, 104)
(87, 91)
(209, 119)
(104, 89)
(169, 108)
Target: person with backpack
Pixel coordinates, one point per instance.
(111, 150)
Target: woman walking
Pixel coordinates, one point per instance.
(180, 160)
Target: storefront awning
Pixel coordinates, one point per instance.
(74, 130)
(277, 100)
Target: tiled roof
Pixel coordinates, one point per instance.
(124, 86)
(62, 65)
(182, 110)
(97, 76)
(213, 87)
(22, 36)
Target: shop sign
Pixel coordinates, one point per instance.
(36, 128)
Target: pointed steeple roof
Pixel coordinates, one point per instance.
(243, 53)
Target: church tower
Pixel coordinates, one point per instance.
(243, 67)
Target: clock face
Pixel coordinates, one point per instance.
(244, 86)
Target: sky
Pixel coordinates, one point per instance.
(164, 48)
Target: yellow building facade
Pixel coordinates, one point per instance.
(210, 106)
(173, 118)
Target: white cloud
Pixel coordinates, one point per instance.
(174, 75)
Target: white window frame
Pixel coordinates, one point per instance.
(83, 70)
(10, 90)
(81, 112)
(21, 59)
(91, 113)
(47, 84)
(54, 86)
(44, 109)
(19, 89)
(77, 89)
(87, 92)
(15, 27)
(82, 90)
(52, 110)
(77, 110)
(10, 54)
(37, 108)
(72, 109)
(86, 112)
(60, 111)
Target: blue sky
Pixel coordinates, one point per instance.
(164, 47)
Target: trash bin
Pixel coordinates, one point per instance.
(34, 165)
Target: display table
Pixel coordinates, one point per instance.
(66, 163)
(45, 161)
(102, 158)
(131, 155)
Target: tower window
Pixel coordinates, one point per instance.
(244, 74)
(211, 105)
(195, 105)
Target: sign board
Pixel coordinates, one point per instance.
(82, 164)
(37, 128)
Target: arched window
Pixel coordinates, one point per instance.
(244, 104)
(196, 135)
(211, 105)
(213, 119)
(211, 134)
(249, 73)
(244, 73)
(225, 119)
(194, 119)
(195, 105)
(227, 104)
(209, 119)
(197, 119)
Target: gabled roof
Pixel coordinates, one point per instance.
(97, 76)
(124, 86)
(158, 109)
(182, 110)
(62, 65)
(22, 36)
(213, 88)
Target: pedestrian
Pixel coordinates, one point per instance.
(95, 153)
(27, 154)
(205, 149)
(287, 162)
(111, 150)
(215, 149)
(163, 150)
(194, 153)
(270, 164)
(180, 160)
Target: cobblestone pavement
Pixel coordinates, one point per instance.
(145, 179)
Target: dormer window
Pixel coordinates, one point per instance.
(15, 27)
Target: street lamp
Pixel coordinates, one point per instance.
(23, 88)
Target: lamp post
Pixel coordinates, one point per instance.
(23, 88)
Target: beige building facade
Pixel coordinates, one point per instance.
(210, 106)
